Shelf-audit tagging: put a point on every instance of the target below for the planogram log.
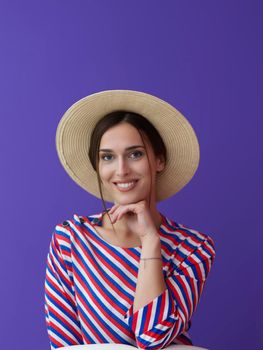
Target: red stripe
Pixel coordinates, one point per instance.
(110, 255)
(148, 315)
(177, 296)
(209, 244)
(101, 308)
(73, 330)
(70, 341)
(197, 268)
(164, 301)
(100, 276)
(52, 297)
(55, 247)
(62, 238)
(108, 250)
(188, 300)
(56, 285)
(134, 321)
(54, 341)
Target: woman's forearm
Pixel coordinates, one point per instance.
(150, 281)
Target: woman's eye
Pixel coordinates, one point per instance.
(106, 157)
(133, 155)
(136, 154)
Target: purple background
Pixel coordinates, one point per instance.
(204, 57)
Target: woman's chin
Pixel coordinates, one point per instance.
(124, 200)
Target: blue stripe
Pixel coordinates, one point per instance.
(181, 254)
(54, 266)
(98, 317)
(182, 292)
(191, 246)
(60, 336)
(97, 280)
(113, 267)
(79, 340)
(93, 293)
(62, 310)
(116, 251)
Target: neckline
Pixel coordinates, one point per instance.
(96, 220)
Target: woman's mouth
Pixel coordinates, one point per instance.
(125, 186)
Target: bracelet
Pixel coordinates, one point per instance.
(149, 259)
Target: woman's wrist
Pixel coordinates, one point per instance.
(151, 244)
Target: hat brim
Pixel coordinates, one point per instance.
(75, 128)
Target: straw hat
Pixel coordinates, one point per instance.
(75, 128)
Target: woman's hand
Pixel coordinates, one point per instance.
(138, 218)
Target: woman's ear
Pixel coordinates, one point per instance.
(160, 164)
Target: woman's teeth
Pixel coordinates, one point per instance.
(126, 185)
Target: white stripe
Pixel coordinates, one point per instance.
(194, 293)
(105, 284)
(168, 335)
(209, 247)
(168, 241)
(197, 233)
(54, 336)
(182, 316)
(67, 306)
(166, 305)
(192, 242)
(58, 281)
(111, 325)
(184, 251)
(200, 264)
(91, 321)
(189, 293)
(57, 263)
(151, 322)
(180, 295)
(107, 270)
(62, 314)
(64, 230)
(68, 259)
(139, 321)
(175, 233)
(64, 330)
(131, 260)
(63, 242)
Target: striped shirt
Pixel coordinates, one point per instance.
(90, 286)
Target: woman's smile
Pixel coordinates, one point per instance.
(126, 186)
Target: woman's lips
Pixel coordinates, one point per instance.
(125, 186)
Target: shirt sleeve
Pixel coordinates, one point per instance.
(163, 319)
(63, 326)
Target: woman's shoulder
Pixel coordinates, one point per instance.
(187, 237)
(76, 219)
(184, 231)
(66, 226)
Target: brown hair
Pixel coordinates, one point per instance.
(143, 126)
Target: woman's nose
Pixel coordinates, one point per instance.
(122, 167)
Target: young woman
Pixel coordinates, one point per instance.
(127, 275)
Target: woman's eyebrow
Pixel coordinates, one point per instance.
(126, 149)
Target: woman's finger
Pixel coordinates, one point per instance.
(113, 208)
(120, 211)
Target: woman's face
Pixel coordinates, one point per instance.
(123, 165)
